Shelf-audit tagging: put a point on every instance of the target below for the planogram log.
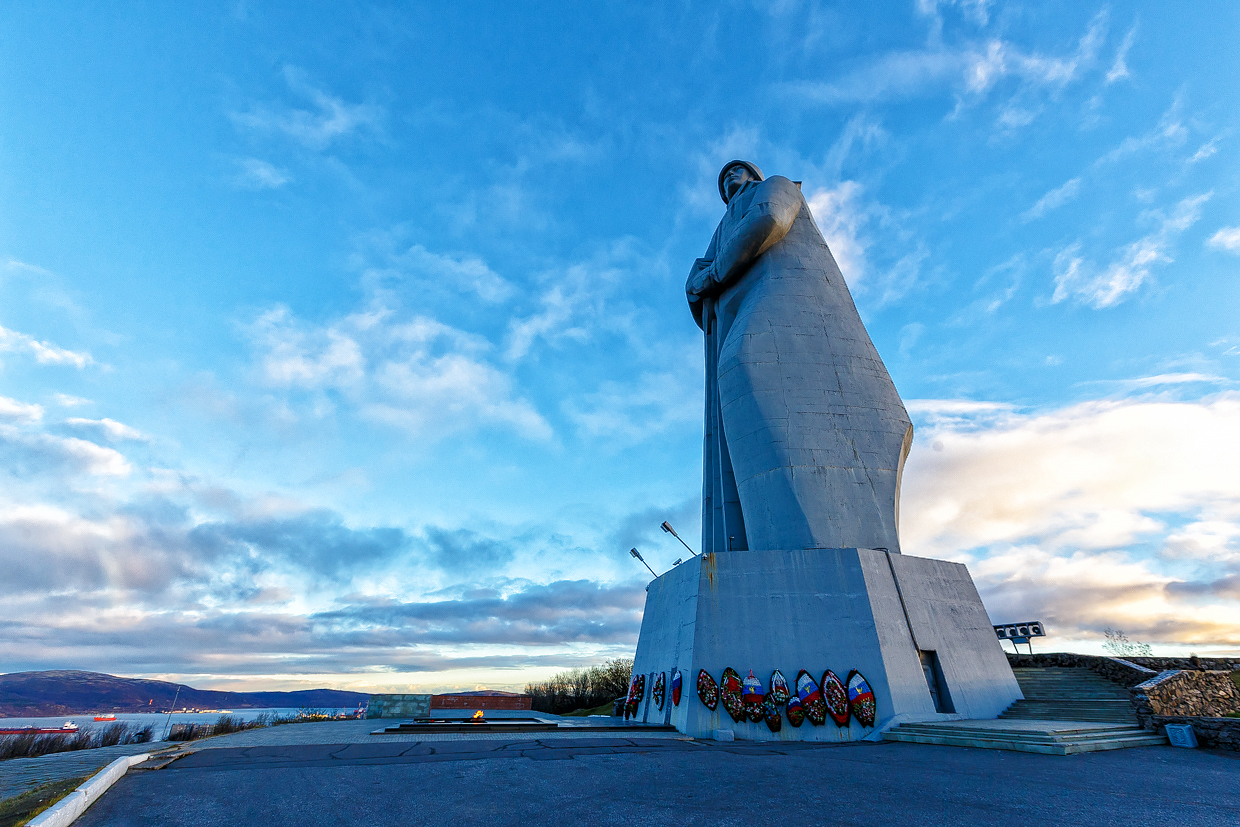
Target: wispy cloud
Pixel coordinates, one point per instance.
(1076, 277)
(399, 270)
(973, 70)
(1228, 238)
(1168, 132)
(1119, 67)
(1054, 199)
(329, 119)
(109, 429)
(45, 353)
(257, 174)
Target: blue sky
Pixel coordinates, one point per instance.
(346, 344)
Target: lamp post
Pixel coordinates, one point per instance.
(638, 555)
(668, 528)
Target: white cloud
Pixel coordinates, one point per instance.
(34, 452)
(1119, 68)
(412, 372)
(977, 10)
(585, 299)
(1206, 150)
(909, 334)
(1054, 199)
(331, 117)
(109, 428)
(1227, 238)
(841, 219)
(67, 401)
(257, 174)
(462, 274)
(627, 413)
(12, 409)
(1081, 512)
(1076, 277)
(45, 353)
(974, 70)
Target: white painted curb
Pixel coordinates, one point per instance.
(76, 802)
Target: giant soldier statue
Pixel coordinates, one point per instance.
(805, 434)
(801, 569)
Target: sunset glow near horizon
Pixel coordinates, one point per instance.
(349, 347)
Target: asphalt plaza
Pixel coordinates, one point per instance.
(641, 781)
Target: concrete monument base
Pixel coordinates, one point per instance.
(914, 627)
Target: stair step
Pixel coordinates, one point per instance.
(1063, 693)
(1018, 744)
(1082, 733)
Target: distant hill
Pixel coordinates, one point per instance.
(69, 692)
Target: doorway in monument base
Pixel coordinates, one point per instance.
(935, 681)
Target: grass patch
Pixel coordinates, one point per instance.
(601, 709)
(1235, 678)
(32, 745)
(20, 809)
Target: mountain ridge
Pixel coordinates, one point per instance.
(75, 692)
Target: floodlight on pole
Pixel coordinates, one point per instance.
(638, 555)
(668, 528)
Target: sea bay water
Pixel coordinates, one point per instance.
(159, 722)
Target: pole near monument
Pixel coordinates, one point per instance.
(668, 528)
(638, 555)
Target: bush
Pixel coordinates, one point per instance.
(230, 723)
(581, 688)
(32, 745)
(1118, 645)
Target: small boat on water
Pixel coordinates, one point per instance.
(68, 729)
(105, 717)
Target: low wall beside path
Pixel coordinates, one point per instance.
(1197, 698)
(1187, 692)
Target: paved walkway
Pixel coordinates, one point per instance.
(640, 780)
(20, 774)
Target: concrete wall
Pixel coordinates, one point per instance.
(481, 702)
(667, 632)
(817, 609)
(398, 706)
(947, 616)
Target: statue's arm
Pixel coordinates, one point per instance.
(699, 278)
(764, 224)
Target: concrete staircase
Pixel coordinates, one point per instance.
(1065, 711)
(1048, 738)
(1070, 694)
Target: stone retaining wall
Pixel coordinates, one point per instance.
(1215, 733)
(1121, 671)
(1207, 664)
(1187, 692)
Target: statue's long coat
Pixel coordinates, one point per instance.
(806, 435)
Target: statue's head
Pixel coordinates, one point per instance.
(734, 175)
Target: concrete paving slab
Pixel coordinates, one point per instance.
(666, 781)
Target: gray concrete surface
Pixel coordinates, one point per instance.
(639, 781)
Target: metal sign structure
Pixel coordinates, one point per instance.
(1021, 633)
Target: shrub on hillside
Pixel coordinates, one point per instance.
(581, 688)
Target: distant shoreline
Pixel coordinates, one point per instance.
(71, 692)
